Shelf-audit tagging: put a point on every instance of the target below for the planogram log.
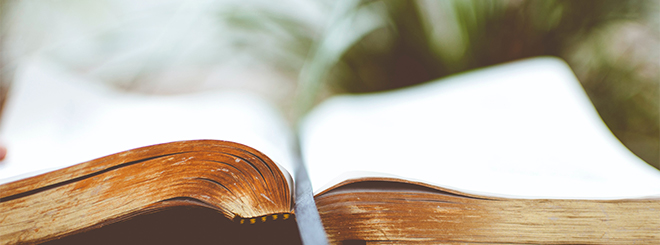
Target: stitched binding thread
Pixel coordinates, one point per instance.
(263, 219)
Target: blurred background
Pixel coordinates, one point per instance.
(296, 53)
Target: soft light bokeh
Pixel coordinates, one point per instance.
(296, 53)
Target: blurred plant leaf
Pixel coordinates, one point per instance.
(349, 23)
(376, 45)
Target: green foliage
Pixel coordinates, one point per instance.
(613, 46)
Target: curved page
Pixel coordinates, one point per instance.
(524, 129)
(55, 119)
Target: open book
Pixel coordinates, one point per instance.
(514, 153)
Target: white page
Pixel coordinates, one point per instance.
(54, 119)
(524, 129)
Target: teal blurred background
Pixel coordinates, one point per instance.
(297, 53)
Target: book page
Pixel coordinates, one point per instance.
(523, 129)
(54, 119)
